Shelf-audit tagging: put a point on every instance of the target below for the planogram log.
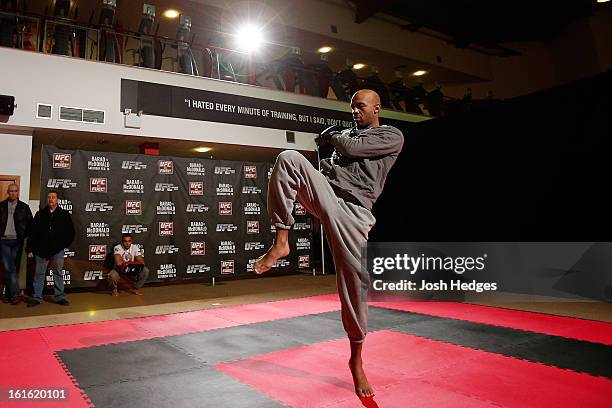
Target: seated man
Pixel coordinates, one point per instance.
(126, 255)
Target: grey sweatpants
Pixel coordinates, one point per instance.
(346, 226)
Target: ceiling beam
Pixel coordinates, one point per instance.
(365, 9)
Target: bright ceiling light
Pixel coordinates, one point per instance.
(171, 13)
(419, 73)
(202, 149)
(603, 1)
(325, 50)
(358, 66)
(249, 38)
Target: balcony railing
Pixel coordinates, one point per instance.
(98, 43)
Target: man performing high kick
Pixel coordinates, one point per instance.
(341, 196)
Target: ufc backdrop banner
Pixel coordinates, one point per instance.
(193, 218)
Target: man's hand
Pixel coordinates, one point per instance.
(325, 136)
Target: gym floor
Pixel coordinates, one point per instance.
(278, 341)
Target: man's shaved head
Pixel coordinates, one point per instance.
(365, 106)
(368, 94)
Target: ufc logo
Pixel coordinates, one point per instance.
(252, 227)
(165, 249)
(304, 261)
(97, 252)
(133, 208)
(299, 209)
(198, 248)
(62, 160)
(166, 228)
(197, 208)
(133, 229)
(93, 275)
(250, 172)
(133, 165)
(166, 167)
(227, 267)
(97, 185)
(101, 207)
(61, 183)
(225, 208)
(165, 187)
(196, 188)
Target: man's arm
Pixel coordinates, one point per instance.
(378, 141)
(69, 230)
(118, 261)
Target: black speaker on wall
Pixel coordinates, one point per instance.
(7, 104)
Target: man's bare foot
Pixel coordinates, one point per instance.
(135, 291)
(362, 386)
(267, 261)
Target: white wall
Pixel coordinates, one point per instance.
(17, 145)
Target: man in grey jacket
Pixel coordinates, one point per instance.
(341, 196)
(15, 219)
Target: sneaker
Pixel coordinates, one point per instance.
(115, 292)
(63, 302)
(32, 303)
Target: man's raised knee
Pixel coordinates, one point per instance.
(289, 156)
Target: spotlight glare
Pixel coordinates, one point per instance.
(359, 66)
(325, 49)
(171, 13)
(202, 149)
(603, 1)
(419, 73)
(249, 38)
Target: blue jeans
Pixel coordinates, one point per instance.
(56, 264)
(9, 252)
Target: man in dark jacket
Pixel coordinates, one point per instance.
(51, 232)
(341, 196)
(15, 219)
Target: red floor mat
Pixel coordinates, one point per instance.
(27, 357)
(410, 371)
(580, 329)
(92, 334)
(39, 370)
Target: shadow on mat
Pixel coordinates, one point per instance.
(368, 402)
(276, 369)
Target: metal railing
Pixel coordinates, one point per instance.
(63, 37)
(17, 31)
(93, 42)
